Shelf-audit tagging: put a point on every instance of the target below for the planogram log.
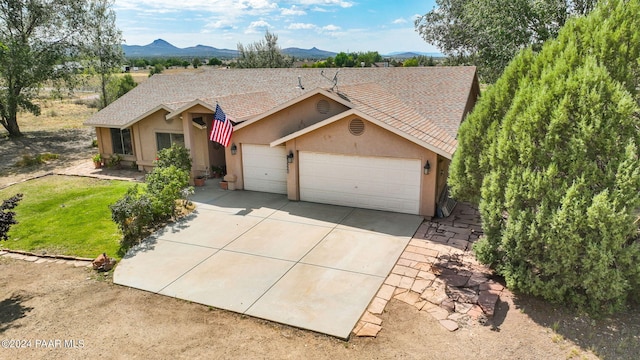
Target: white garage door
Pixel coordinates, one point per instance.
(368, 182)
(264, 168)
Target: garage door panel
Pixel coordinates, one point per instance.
(369, 182)
(264, 168)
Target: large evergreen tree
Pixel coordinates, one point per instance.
(551, 153)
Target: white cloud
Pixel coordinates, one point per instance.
(259, 4)
(293, 11)
(331, 28)
(124, 5)
(301, 26)
(257, 27)
(399, 21)
(341, 3)
(171, 5)
(220, 24)
(228, 8)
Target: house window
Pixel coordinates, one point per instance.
(121, 141)
(165, 140)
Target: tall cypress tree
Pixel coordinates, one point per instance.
(551, 155)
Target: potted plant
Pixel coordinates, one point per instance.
(217, 171)
(97, 161)
(199, 180)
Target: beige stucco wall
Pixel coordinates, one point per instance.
(333, 138)
(143, 138)
(287, 121)
(145, 144)
(145, 130)
(200, 141)
(104, 141)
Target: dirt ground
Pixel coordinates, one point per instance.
(58, 130)
(46, 302)
(59, 311)
(34, 143)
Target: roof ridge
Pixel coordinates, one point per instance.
(427, 103)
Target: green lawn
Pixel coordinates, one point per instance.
(65, 215)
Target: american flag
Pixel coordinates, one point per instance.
(222, 128)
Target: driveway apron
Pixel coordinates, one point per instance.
(313, 266)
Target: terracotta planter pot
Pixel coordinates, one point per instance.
(224, 185)
(198, 181)
(97, 164)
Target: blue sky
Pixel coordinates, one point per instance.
(334, 25)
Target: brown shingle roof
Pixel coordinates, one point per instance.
(427, 103)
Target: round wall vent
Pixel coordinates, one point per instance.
(323, 106)
(356, 127)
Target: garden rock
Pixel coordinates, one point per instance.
(103, 263)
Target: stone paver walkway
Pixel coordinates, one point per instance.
(438, 274)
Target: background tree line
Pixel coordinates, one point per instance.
(489, 33)
(143, 63)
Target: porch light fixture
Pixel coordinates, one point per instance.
(290, 157)
(234, 149)
(427, 168)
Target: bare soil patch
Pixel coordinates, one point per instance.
(50, 301)
(71, 145)
(58, 130)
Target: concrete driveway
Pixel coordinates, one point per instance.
(308, 265)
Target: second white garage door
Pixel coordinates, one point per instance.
(264, 168)
(378, 183)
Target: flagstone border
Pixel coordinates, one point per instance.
(438, 274)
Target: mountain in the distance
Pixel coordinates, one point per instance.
(313, 53)
(411, 54)
(209, 51)
(161, 48)
(157, 48)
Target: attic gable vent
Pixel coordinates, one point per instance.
(356, 127)
(323, 106)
